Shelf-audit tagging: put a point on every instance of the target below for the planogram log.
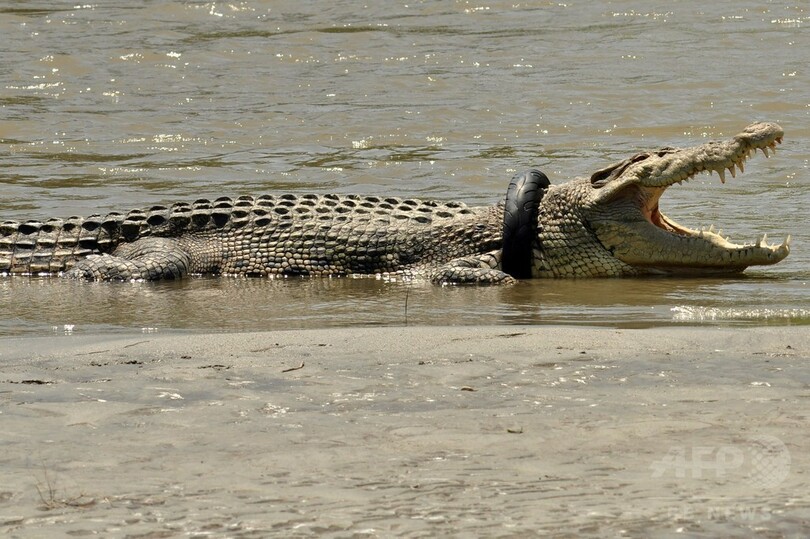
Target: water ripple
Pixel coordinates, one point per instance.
(685, 313)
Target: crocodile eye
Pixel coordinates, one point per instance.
(602, 177)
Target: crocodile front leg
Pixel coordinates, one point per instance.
(148, 259)
(476, 269)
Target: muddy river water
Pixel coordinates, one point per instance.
(114, 105)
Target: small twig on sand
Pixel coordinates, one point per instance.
(407, 290)
(50, 499)
(299, 367)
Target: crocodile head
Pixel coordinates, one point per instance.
(629, 235)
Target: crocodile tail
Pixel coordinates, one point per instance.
(54, 245)
(33, 247)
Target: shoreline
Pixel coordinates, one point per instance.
(494, 430)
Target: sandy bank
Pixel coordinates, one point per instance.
(493, 431)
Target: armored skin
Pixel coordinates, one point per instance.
(608, 225)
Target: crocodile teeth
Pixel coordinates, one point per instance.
(711, 229)
(786, 243)
(722, 174)
(732, 170)
(761, 240)
(741, 166)
(765, 151)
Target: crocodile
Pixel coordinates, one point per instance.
(608, 225)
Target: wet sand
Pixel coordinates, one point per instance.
(413, 432)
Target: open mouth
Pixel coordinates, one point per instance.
(656, 243)
(649, 204)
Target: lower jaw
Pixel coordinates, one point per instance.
(688, 271)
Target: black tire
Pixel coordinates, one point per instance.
(523, 198)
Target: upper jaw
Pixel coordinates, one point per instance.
(669, 166)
